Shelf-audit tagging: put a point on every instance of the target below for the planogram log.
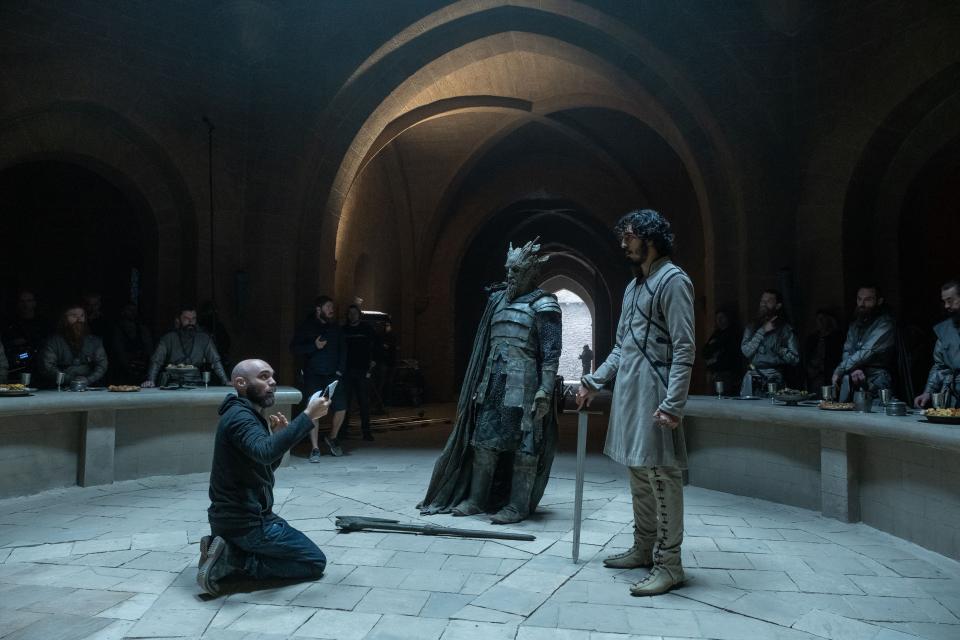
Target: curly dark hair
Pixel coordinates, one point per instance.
(649, 225)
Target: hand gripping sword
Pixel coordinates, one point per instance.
(346, 524)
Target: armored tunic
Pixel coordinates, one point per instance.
(90, 362)
(945, 372)
(652, 361)
(871, 347)
(524, 354)
(770, 353)
(172, 349)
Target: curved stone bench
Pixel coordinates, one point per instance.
(897, 474)
(50, 439)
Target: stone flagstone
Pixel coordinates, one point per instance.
(755, 569)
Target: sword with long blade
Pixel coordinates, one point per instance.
(346, 524)
(582, 423)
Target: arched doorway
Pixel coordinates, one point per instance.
(577, 333)
(69, 231)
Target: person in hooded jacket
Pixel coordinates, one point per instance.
(247, 537)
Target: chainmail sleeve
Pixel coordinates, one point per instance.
(550, 329)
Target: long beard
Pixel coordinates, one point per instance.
(764, 314)
(519, 287)
(75, 333)
(866, 316)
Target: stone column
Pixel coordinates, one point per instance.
(97, 446)
(839, 476)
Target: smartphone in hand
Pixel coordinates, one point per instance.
(326, 392)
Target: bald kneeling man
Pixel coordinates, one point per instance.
(248, 539)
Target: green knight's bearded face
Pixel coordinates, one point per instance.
(523, 269)
(521, 278)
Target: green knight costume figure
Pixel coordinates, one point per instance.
(499, 454)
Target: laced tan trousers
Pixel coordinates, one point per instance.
(658, 513)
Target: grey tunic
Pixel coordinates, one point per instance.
(652, 361)
(871, 348)
(945, 371)
(770, 353)
(58, 355)
(171, 350)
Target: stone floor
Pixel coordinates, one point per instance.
(119, 561)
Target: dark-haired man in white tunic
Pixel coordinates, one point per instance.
(652, 361)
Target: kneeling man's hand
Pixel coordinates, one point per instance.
(277, 422)
(317, 408)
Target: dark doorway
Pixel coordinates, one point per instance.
(67, 230)
(929, 232)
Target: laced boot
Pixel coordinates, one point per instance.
(524, 474)
(667, 569)
(639, 555)
(484, 464)
(660, 580)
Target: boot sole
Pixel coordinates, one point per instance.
(631, 565)
(204, 549)
(214, 552)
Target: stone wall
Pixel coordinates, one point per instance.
(767, 111)
(776, 463)
(913, 492)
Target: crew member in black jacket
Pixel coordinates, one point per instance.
(247, 537)
(320, 341)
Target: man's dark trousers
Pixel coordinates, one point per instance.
(358, 387)
(274, 550)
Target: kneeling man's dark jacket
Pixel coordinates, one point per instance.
(245, 455)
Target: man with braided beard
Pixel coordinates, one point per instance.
(652, 361)
(73, 351)
(506, 403)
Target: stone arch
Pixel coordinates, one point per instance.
(879, 96)
(913, 133)
(557, 281)
(110, 145)
(444, 33)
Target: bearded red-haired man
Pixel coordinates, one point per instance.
(73, 351)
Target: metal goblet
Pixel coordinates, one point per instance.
(60, 377)
(886, 396)
(939, 399)
(206, 378)
(718, 385)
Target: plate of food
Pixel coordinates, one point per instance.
(15, 390)
(828, 405)
(123, 388)
(942, 416)
(793, 396)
